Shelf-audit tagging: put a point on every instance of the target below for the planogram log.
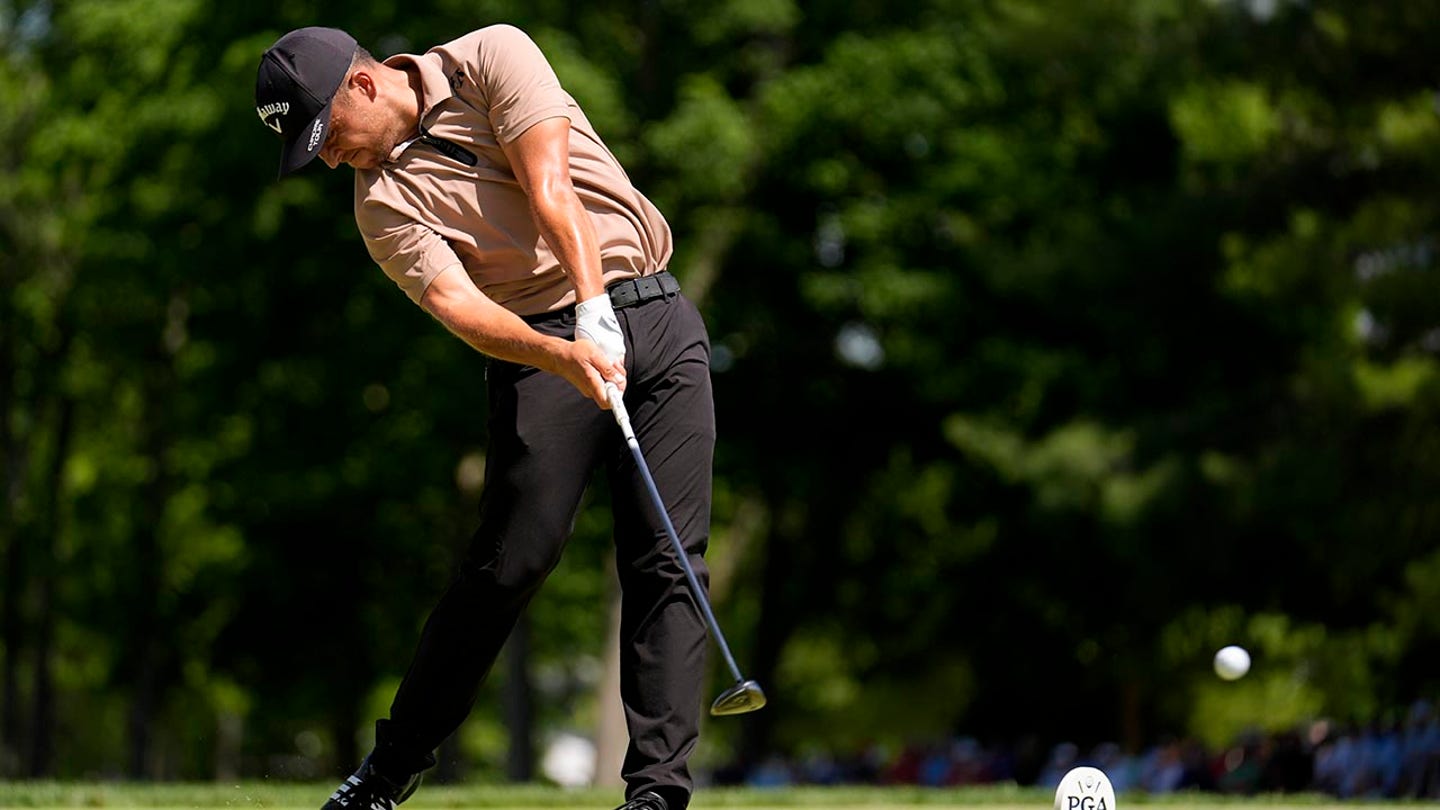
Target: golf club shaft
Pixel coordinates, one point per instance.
(622, 418)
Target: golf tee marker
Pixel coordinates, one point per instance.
(1085, 788)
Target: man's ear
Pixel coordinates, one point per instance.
(363, 81)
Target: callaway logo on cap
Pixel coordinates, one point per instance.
(295, 86)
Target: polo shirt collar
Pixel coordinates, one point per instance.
(434, 87)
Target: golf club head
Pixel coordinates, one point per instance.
(742, 698)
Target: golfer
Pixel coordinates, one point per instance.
(483, 192)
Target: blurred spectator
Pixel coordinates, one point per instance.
(1289, 766)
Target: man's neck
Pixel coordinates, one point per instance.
(414, 101)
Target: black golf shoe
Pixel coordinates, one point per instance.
(645, 801)
(368, 789)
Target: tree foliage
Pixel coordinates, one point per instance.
(1056, 345)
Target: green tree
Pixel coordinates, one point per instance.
(1055, 346)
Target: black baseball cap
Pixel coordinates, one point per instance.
(296, 85)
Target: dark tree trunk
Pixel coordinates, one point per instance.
(777, 578)
(149, 631)
(12, 468)
(42, 718)
(42, 725)
(13, 640)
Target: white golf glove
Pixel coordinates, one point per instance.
(595, 321)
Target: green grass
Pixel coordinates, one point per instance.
(293, 796)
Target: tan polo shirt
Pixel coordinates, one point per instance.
(423, 211)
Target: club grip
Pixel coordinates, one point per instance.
(617, 407)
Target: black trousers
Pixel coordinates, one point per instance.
(546, 440)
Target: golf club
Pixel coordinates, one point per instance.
(746, 695)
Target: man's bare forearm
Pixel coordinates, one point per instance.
(490, 328)
(455, 301)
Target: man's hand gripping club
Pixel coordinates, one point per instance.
(595, 321)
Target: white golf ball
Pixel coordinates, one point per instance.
(1232, 662)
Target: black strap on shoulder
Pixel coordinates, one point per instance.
(449, 149)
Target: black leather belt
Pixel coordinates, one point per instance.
(634, 291)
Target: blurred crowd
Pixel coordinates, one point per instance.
(1392, 760)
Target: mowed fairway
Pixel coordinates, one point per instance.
(290, 796)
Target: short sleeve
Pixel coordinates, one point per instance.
(518, 82)
(411, 253)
